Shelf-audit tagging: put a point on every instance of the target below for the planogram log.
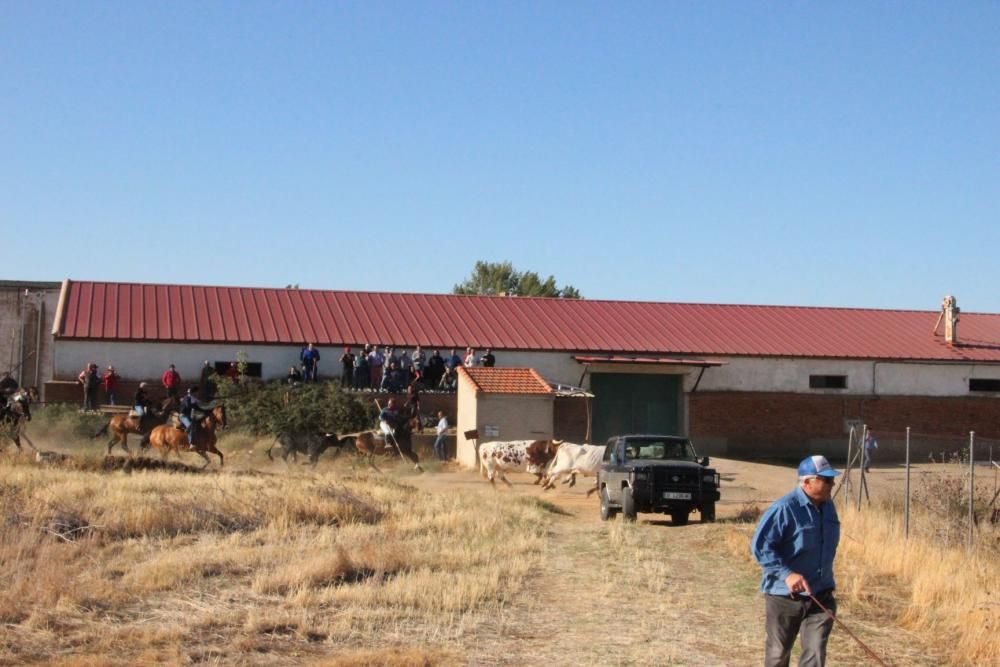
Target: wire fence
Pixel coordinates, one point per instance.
(958, 494)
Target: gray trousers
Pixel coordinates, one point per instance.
(786, 618)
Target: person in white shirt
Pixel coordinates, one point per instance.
(442, 428)
(470, 357)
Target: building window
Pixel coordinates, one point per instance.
(984, 384)
(828, 382)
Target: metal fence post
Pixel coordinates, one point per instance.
(861, 463)
(906, 500)
(972, 485)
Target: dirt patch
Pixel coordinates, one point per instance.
(651, 593)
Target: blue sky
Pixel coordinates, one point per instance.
(774, 153)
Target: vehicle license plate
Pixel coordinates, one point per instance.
(671, 495)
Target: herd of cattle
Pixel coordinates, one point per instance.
(549, 460)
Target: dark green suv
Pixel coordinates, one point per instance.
(656, 473)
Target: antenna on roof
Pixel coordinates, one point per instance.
(949, 313)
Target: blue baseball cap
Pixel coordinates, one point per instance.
(816, 465)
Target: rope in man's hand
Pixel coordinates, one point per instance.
(848, 630)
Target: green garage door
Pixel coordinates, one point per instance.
(625, 403)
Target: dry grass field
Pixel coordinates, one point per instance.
(263, 563)
(154, 567)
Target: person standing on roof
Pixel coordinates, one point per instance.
(419, 360)
(375, 363)
(347, 368)
(206, 383)
(310, 362)
(795, 544)
(110, 383)
(90, 379)
(171, 382)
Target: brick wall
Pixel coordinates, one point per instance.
(791, 426)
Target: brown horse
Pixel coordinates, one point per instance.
(121, 425)
(169, 439)
(370, 443)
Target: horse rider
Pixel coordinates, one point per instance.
(9, 404)
(190, 411)
(388, 419)
(140, 404)
(8, 385)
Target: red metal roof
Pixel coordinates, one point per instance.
(616, 359)
(187, 313)
(506, 380)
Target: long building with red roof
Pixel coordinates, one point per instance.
(737, 377)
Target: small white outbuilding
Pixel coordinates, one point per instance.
(501, 404)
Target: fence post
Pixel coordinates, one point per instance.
(906, 500)
(972, 485)
(861, 463)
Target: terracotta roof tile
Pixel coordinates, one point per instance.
(506, 380)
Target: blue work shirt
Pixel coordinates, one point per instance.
(795, 535)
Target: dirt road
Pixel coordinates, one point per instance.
(652, 593)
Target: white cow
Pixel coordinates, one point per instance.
(572, 460)
(529, 455)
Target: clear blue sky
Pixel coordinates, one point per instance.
(776, 153)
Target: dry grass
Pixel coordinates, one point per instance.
(352, 568)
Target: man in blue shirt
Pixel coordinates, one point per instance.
(310, 362)
(795, 544)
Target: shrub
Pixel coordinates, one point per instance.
(272, 408)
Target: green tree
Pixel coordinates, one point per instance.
(497, 278)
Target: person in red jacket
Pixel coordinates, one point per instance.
(110, 382)
(171, 381)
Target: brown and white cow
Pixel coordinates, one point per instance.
(572, 460)
(530, 456)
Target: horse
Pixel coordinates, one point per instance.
(121, 425)
(13, 414)
(365, 443)
(166, 438)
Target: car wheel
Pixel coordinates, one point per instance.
(628, 505)
(679, 518)
(708, 513)
(606, 511)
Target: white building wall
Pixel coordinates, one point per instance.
(144, 361)
(465, 450)
(149, 360)
(886, 378)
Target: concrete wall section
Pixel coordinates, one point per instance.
(26, 316)
(863, 377)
